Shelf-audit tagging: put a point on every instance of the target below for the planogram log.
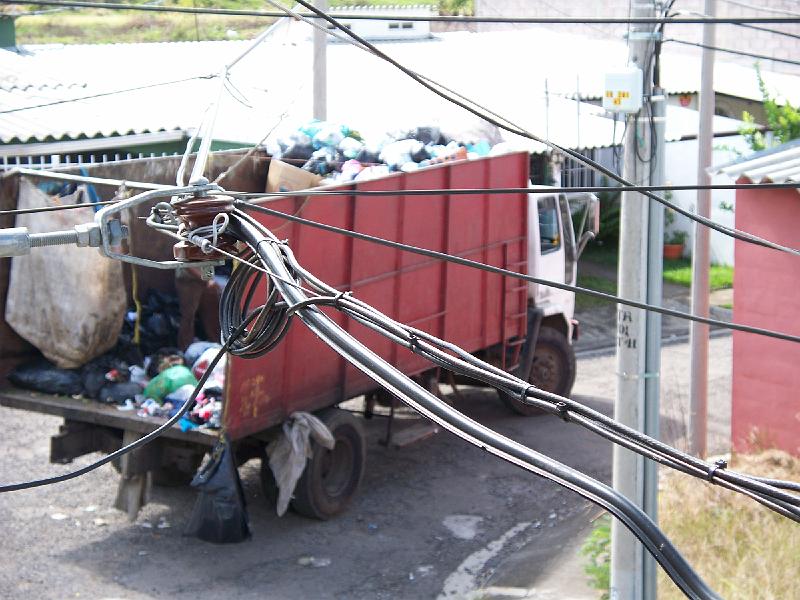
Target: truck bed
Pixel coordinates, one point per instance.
(96, 413)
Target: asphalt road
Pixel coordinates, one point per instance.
(438, 519)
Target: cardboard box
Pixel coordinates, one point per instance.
(283, 177)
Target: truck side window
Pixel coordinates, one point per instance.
(549, 234)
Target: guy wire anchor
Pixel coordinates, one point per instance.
(107, 232)
(18, 242)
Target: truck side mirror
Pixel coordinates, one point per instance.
(593, 218)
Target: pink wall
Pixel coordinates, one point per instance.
(766, 372)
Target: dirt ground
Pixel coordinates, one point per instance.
(438, 519)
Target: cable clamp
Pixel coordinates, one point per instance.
(563, 411)
(523, 395)
(413, 340)
(338, 298)
(719, 464)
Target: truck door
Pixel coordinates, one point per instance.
(547, 255)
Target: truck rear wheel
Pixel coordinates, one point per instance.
(332, 477)
(553, 369)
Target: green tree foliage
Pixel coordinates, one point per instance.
(782, 120)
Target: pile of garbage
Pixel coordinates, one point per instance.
(159, 387)
(152, 377)
(340, 154)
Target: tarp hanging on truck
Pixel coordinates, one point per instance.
(68, 302)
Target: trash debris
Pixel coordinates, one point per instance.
(146, 525)
(163, 523)
(425, 570)
(58, 516)
(289, 453)
(340, 154)
(119, 393)
(43, 376)
(98, 522)
(220, 512)
(313, 561)
(168, 381)
(90, 508)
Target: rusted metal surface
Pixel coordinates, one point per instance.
(89, 411)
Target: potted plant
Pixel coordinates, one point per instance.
(673, 240)
(673, 244)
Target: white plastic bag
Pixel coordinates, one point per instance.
(288, 454)
(67, 301)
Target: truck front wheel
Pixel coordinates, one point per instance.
(553, 369)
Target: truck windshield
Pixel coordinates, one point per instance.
(549, 238)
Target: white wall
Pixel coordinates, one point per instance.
(681, 169)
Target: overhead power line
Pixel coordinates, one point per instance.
(247, 206)
(431, 192)
(737, 52)
(104, 94)
(777, 11)
(418, 18)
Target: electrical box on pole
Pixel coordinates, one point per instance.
(623, 90)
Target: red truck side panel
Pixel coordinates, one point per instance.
(469, 307)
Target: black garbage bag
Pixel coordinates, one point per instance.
(429, 135)
(298, 152)
(43, 376)
(94, 372)
(117, 393)
(158, 356)
(220, 513)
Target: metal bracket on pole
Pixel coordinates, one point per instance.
(113, 232)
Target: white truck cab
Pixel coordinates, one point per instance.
(559, 227)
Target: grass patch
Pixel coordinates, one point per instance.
(741, 549)
(99, 27)
(601, 254)
(680, 273)
(601, 284)
(94, 26)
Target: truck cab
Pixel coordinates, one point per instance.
(559, 227)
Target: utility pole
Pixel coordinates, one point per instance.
(655, 280)
(638, 267)
(701, 259)
(320, 105)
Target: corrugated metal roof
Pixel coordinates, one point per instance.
(778, 165)
(364, 92)
(21, 71)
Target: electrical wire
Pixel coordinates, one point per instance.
(762, 8)
(479, 111)
(187, 406)
(757, 28)
(254, 197)
(412, 18)
(41, 209)
(245, 206)
(737, 52)
(104, 94)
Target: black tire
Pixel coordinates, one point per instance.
(269, 487)
(553, 369)
(332, 477)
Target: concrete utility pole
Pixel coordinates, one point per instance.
(701, 259)
(638, 338)
(320, 108)
(655, 280)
